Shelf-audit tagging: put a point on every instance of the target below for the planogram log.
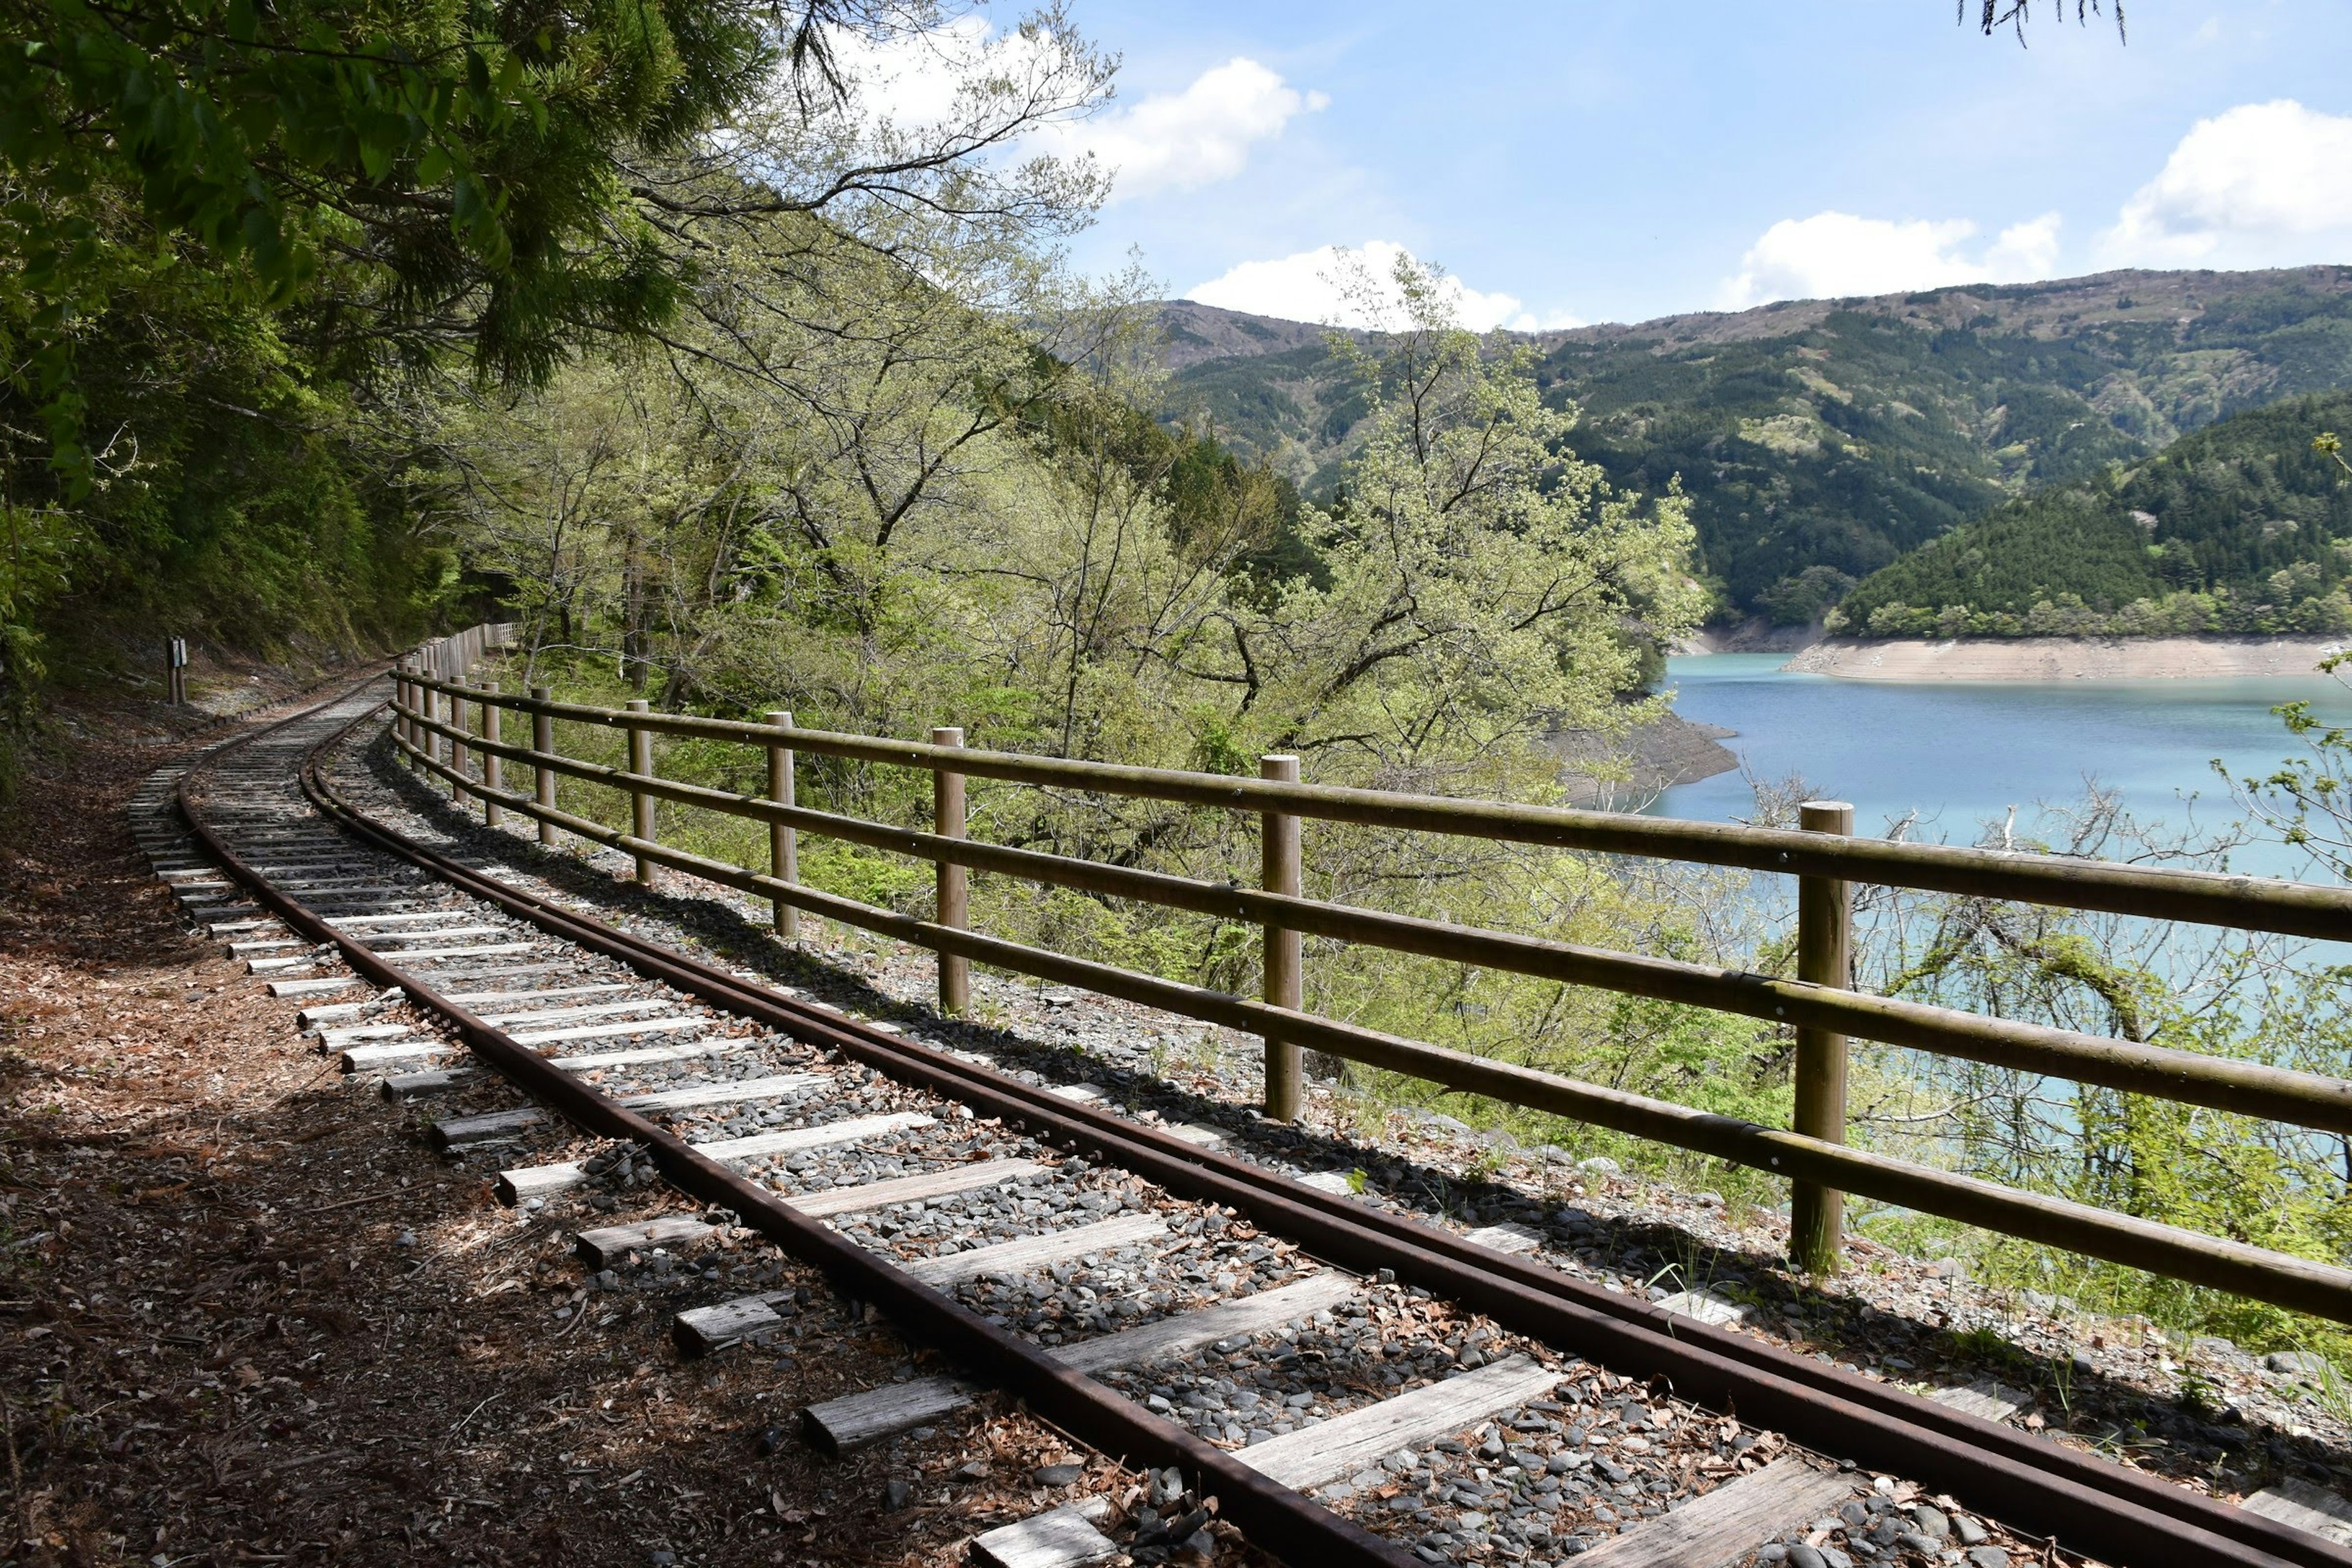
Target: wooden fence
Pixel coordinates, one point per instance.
(432, 730)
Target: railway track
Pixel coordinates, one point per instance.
(1349, 1386)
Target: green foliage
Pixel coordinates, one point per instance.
(1805, 598)
(2244, 526)
(244, 250)
(218, 219)
(2228, 995)
(1842, 434)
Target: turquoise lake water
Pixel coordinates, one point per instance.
(1962, 754)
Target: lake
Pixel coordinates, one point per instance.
(1961, 754)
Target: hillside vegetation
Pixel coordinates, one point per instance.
(1820, 440)
(2241, 527)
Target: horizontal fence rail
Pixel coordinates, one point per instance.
(2203, 898)
(429, 739)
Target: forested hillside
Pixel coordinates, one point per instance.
(1819, 440)
(2241, 527)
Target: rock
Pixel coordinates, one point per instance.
(660, 1558)
(771, 1440)
(1600, 1165)
(1058, 1474)
(1801, 1556)
(1931, 1523)
(2214, 1345)
(976, 1470)
(1987, 1557)
(2304, 1366)
(1970, 1533)
(897, 1493)
(408, 1238)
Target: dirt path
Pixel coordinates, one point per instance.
(249, 1318)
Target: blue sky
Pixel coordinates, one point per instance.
(1591, 161)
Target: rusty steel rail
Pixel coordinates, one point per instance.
(2079, 1501)
(1280, 1520)
(2205, 898)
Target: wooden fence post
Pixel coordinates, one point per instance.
(954, 885)
(493, 774)
(1278, 847)
(783, 843)
(1824, 957)
(456, 717)
(641, 804)
(542, 740)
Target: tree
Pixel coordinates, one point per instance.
(1995, 15)
(1484, 587)
(359, 196)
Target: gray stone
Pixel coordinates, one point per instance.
(1801, 1556)
(2304, 1366)
(1970, 1533)
(1987, 1557)
(1599, 1165)
(1058, 1474)
(896, 1494)
(1931, 1523)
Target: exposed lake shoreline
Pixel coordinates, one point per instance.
(1671, 750)
(2063, 658)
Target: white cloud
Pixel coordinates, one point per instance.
(913, 80)
(1315, 286)
(1182, 140)
(2025, 251)
(2263, 185)
(1831, 255)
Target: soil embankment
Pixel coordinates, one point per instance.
(1625, 772)
(1754, 635)
(2064, 658)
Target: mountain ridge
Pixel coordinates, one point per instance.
(1820, 440)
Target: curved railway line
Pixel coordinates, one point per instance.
(1352, 1387)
